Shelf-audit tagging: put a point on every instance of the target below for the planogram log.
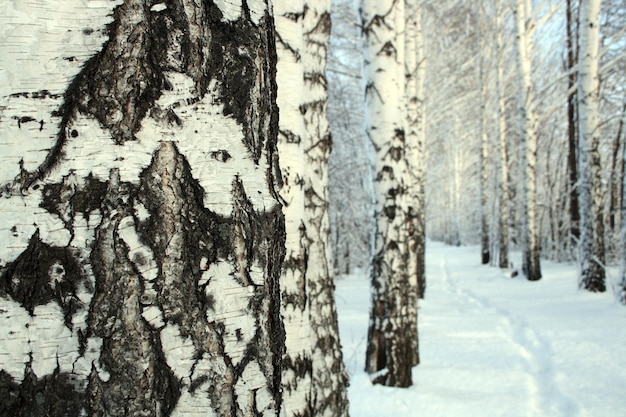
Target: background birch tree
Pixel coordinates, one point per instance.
(531, 266)
(592, 255)
(501, 129)
(389, 354)
(485, 51)
(415, 67)
(142, 238)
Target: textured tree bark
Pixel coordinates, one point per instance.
(142, 249)
(590, 189)
(528, 147)
(389, 354)
(329, 395)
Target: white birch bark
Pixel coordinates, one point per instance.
(528, 145)
(146, 217)
(590, 184)
(389, 356)
(329, 395)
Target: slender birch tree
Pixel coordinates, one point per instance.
(590, 191)
(484, 139)
(389, 352)
(142, 243)
(503, 220)
(528, 144)
(572, 129)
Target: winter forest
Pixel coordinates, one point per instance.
(312, 208)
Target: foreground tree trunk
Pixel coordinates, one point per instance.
(142, 251)
(389, 351)
(590, 190)
(528, 146)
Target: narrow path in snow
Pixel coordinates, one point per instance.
(495, 346)
(535, 353)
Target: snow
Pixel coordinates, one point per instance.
(492, 345)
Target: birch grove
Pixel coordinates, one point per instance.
(183, 181)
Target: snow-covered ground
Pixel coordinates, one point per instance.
(492, 345)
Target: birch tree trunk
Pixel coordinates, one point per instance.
(297, 363)
(484, 146)
(415, 144)
(143, 239)
(503, 227)
(389, 356)
(329, 395)
(414, 157)
(590, 189)
(572, 143)
(528, 146)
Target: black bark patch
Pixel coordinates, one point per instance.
(301, 366)
(242, 57)
(56, 395)
(70, 197)
(41, 274)
(121, 83)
